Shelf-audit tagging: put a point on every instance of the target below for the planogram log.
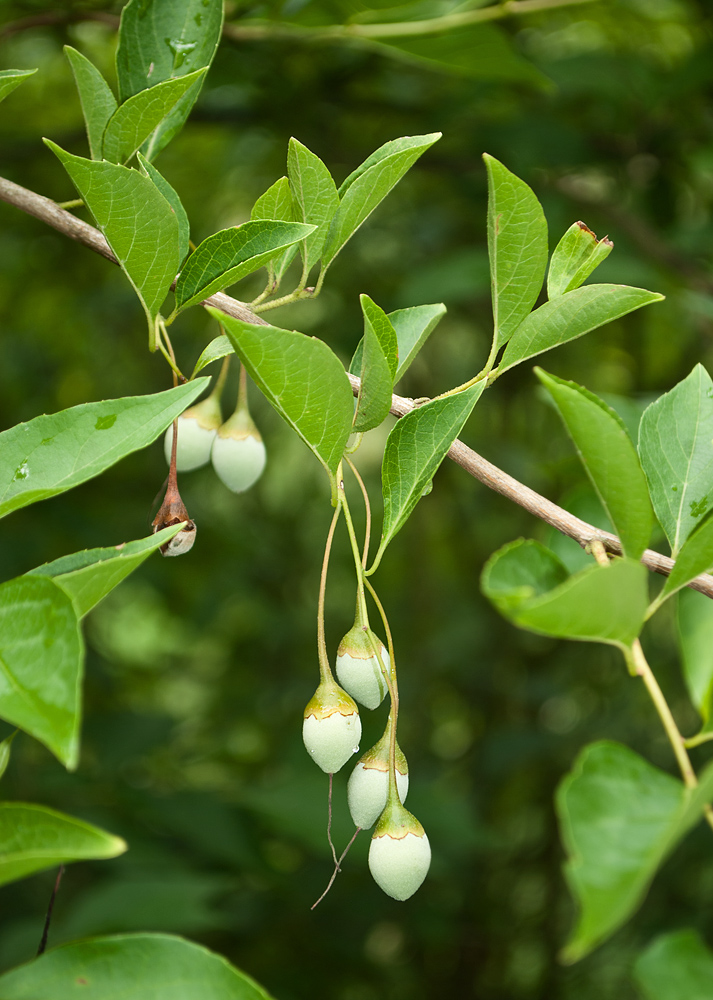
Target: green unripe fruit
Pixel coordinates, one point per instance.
(332, 728)
(197, 428)
(368, 787)
(358, 667)
(399, 854)
(238, 454)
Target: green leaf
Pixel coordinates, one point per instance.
(675, 966)
(369, 184)
(620, 817)
(276, 203)
(696, 556)
(315, 198)
(598, 604)
(575, 257)
(225, 257)
(160, 41)
(55, 452)
(377, 367)
(88, 576)
(11, 78)
(303, 379)
(414, 450)
(5, 747)
(695, 640)
(570, 316)
(219, 348)
(41, 658)
(136, 118)
(413, 328)
(139, 224)
(675, 448)
(171, 196)
(33, 838)
(609, 458)
(135, 966)
(482, 52)
(517, 248)
(95, 96)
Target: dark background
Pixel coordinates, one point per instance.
(198, 669)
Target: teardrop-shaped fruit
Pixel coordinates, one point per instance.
(368, 787)
(332, 728)
(399, 853)
(197, 428)
(358, 667)
(238, 454)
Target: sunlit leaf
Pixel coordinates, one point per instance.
(620, 817)
(53, 453)
(576, 255)
(11, 78)
(95, 96)
(377, 367)
(276, 203)
(171, 196)
(314, 195)
(219, 348)
(33, 838)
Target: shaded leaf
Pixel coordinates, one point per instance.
(369, 184)
(225, 257)
(140, 966)
(695, 640)
(41, 659)
(570, 316)
(33, 838)
(53, 453)
(517, 248)
(303, 379)
(675, 448)
(276, 203)
(95, 96)
(11, 78)
(620, 817)
(139, 224)
(576, 255)
(88, 576)
(695, 557)
(675, 966)
(414, 450)
(413, 328)
(163, 41)
(219, 348)
(377, 367)
(314, 195)
(5, 747)
(609, 458)
(598, 604)
(171, 196)
(135, 119)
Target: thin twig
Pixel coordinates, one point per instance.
(48, 918)
(329, 821)
(337, 867)
(474, 464)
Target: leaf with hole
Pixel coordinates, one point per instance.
(227, 256)
(95, 96)
(570, 316)
(88, 576)
(369, 184)
(161, 41)
(53, 453)
(414, 450)
(34, 837)
(675, 448)
(576, 255)
(620, 817)
(314, 197)
(517, 248)
(598, 604)
(609, 458)
(303, 379)
(135, 119)
(138, 222)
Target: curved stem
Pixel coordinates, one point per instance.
(166, 348)
(393, 687)
(222, 375)
(325, 671)
(367, 509)
(337, 867)
(343, 503)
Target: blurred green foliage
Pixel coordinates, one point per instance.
(198, 669)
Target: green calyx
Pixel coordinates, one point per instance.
(397, 822)
(207, 413)
(359, 643)
(328, 699)
(239, 427)
(378, 757)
